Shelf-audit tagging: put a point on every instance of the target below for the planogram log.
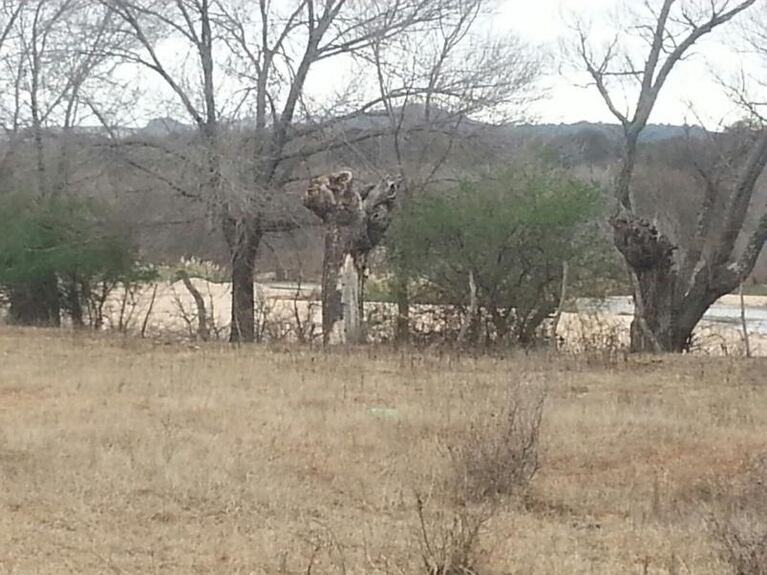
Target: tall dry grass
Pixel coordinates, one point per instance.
(121, 456)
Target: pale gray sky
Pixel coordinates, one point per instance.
(546, 23)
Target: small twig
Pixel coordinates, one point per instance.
(203, 332)
(145, 323)
(562, 302)
(743, 322)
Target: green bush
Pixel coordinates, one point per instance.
(512, 232)
(62, 253)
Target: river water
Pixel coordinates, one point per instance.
(719, 313)
(756, 317)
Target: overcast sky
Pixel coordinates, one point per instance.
(546, 23)
(692, 95)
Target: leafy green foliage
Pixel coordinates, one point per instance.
(72, 243)
(512, 233)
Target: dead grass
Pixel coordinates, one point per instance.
(120, 456)
(739, 521)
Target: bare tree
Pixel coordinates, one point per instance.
(428, 85)
(50, 51)
(144, 24)
(259, 55)
(674, 287)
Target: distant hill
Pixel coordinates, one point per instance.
(159, 127)
(377, 120)
(652, 133)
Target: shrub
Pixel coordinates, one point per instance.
(494, 459)
(498, 455)
(509, 236)
(62, 253)
(449, 540)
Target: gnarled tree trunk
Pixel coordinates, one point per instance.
(667, 306)
(649, 256)
(355, 223)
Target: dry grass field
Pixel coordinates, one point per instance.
(125, 456)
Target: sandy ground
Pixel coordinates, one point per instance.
(171, 310)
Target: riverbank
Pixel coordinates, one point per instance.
(169, 308)
(288, 312)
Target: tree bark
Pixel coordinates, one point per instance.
(402, 295)
(203, 329)
(243, 237)
(653, 327)
(74, 301)
(36, 304)
(352, 301)
(665, 315)
(649, 256)
(331, 297)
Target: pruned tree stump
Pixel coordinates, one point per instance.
(355, 223)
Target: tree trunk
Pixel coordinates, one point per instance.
(649, 256)
(470, 321)
(402, 294)
(36, 304)
(331, 297)
(243, 237)
(664, 317)
(352, 302)
(355, 223)
(74, 304)
(666, 325)
(203, 330)
(653, 327)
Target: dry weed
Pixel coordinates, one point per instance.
(493, 458)
(739, 527)
(598, 338)
(498, 454)
(449, 538)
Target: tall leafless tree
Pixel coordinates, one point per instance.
(261, 54)
(145, 25)
(50, 50)
(674, 286)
